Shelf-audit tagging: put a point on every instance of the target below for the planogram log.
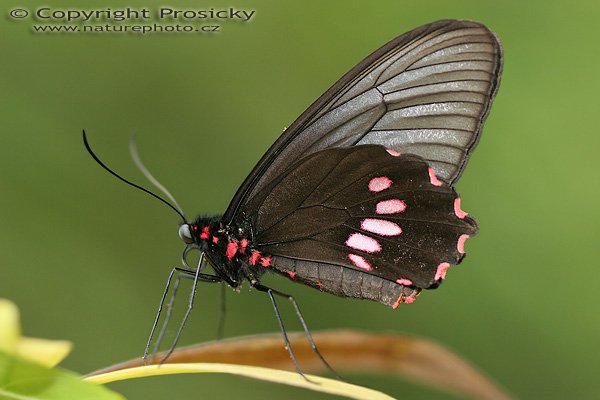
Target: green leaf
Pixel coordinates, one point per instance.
(316, 383)
(24, 380)
(43, 351)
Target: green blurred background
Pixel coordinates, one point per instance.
(86, 257)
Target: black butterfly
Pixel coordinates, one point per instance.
(356, 197)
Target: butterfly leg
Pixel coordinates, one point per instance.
(170, 305)
(222, 309)
(165, 324)
(156, 319)
(196, 276)
(304, 327)
(286, 341)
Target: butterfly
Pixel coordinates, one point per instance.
(356, 198)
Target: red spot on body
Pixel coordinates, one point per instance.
(433, 179)
(292, 274)
(404, 282)
(215, 240)
(205, 233)
(402, 299)
(319, 285)
(392, 206)
(232, 248)
(380, 227)
(393, 152)
(265, 261)
(362, 242)
(243, 245)
(460, 245)
(459, 213)
(441, 271)
(397, 303)
(380, 183)
(360, 262)
(254, 257)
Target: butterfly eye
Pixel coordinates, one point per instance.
(185, 233)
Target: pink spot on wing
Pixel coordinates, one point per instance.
(393, 152)
(380, 183)
(215, 240)
(362, 242)
(409, 299)
(360, 262)
(459, 213)
(441, 271)
(292, 274)
(254, 257)
(404, 282)
(265, 261)
(433, 179)
(380, 227)
(232, 248)
(460, 245)
(392, 206)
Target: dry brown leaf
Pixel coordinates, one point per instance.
(417, 359)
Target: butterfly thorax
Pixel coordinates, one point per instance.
(231, 249)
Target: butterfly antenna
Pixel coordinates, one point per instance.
(89, 149)
(138, 162)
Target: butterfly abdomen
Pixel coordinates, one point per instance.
(345, 282)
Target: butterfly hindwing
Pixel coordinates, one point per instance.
(363, 209)
(427, 92)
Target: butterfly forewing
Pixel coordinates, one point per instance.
(427, 92)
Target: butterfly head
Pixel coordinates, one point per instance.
(185, 233)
